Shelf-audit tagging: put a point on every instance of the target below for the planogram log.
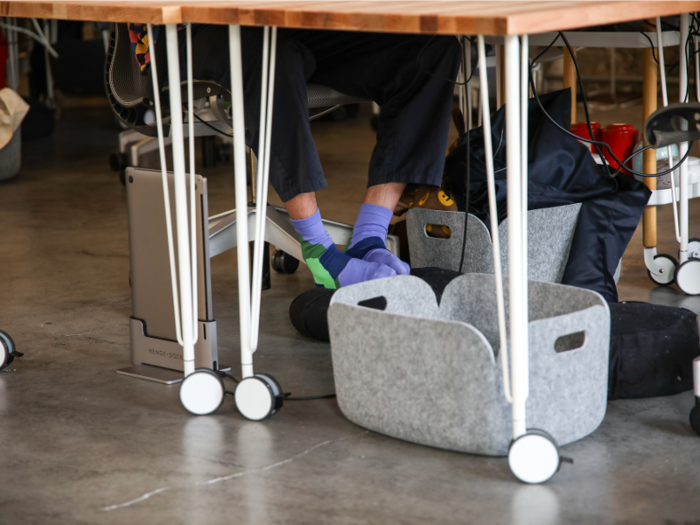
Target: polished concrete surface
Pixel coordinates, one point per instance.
(81, 444)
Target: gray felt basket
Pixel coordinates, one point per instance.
(431, 374)
(550, 232)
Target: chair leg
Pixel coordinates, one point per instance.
(208, 152)
(266, 282)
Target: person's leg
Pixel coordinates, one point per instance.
(294, 164)
(412, 79)
(329, 266)
(368, 240)
(295, 169)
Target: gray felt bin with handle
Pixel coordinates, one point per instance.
(550, 232)
(431, 374)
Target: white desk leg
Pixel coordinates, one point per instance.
(517, 264)
(493, 212)
(202, 391)
(533, 455)
(257, 396)
(239, 165)
(181, 220)
(524, 103)
(683, 147)
(688, 272)
(263, 178)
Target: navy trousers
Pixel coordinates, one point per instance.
(411, 77)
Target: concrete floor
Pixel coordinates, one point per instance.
(81, 444)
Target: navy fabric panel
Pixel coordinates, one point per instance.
(359, 250)
(561, 171)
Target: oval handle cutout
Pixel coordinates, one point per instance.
(570, 342)
(376, 303)
(438, 231)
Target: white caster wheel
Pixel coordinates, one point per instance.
(258, 397)
(665, 272)
(534, 457)
(694, 248)
(202, 392)
(7, 349)
(688, 277)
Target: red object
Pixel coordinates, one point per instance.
(621, 138)
(580, 129)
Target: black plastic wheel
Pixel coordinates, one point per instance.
(695, 419)
(276, 390)
(11, 344)
(7, 349)
(284, 263)
(675, 265)
(117, 161)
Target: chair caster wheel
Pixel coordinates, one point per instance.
(258, 397)
(534, 457)
(7, 349)
(202, 392)
(665, 275)
(694, 248)
(117, 161)
(688, 277)
(284, 263)
(695, 419)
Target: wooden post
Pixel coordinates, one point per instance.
(649, 106)
(570, 81)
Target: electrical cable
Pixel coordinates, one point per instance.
(211, 127)
(468, 155)
(307, 398)
(285, 396)
(229, 376)
(596, 143)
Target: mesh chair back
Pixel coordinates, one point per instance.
(125, 85)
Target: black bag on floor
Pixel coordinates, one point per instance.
(309, 311)
(652, 348)
(561, 171)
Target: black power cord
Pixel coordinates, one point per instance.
(468, 152)
(285, 396)
(596, 143)
(212, 127)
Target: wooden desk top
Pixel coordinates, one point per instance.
(413, 16)
(154, 12)
(432, 17)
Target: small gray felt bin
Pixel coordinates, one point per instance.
(550, 232)
(431, 374)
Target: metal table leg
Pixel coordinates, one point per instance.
(533, 456)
